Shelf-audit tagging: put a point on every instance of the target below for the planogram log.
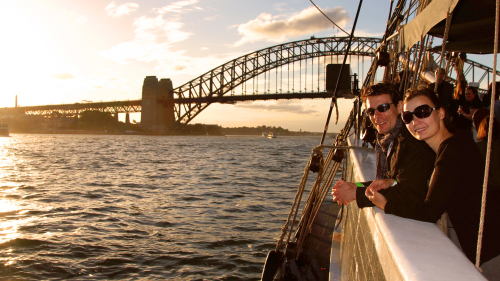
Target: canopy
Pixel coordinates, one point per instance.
(472, 28)
(433, 14)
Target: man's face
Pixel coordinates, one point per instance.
(469, 95)
(440, 76)
(384, 122)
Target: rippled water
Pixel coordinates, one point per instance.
(144, 207)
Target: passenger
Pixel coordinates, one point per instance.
(481, 122)
(473, 103)
(401, 80)
(445, 89)
(456, 183)
(487, 97)
(459, 122)
(399, 156)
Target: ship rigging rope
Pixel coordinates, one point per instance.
(443, 49)
(313, 200)
(334, 98)
(317, 194)
(490, 137)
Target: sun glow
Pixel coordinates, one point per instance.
(29, 54)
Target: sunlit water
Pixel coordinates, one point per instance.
(144, 207)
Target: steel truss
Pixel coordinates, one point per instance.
(224, 78)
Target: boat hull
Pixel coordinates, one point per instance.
(378, 246)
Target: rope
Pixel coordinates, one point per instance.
(490, 137)
(298, 197)
(366, 45)
(445, 38)
(317, 195)
(334, 99)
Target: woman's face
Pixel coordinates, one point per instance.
(425, 128)
(469, 95)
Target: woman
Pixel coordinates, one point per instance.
(456, 183)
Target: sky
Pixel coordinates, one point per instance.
(57, 52)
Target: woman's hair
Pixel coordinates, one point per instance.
(425, 92)
(428, 93)
(482, 131)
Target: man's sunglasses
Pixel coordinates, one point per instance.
(420, 112)
(381, 108)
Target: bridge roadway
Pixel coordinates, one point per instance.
(131, 106)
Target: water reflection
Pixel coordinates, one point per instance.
(8, 208)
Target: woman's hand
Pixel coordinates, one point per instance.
(376, 197)
(377, 185)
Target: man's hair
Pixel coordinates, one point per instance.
(440, 70)
(497, 90)
(473, 89)
(382, 89)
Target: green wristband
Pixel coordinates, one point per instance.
(359, 184)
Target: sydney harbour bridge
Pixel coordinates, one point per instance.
(294, 70)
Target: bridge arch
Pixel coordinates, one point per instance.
(226, 77)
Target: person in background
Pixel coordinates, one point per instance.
(399, 156)
(473, 103)
(401, 78)
(487, 97)
(444, 90)
(481, 123)
(456, 184)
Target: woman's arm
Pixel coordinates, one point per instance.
(447, 175)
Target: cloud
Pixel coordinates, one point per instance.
(281, 106)
(154, 41)
(211, 18)
(277, 28)
(153, 37)
(81, 20)
(180, 7)
(117, 11)
(63, 76)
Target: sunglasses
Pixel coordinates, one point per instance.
(381, 108)
(420, 112)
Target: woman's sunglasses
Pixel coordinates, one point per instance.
(381, 108)
(420, 112)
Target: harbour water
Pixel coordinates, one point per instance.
(86, 207)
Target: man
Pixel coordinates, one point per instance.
(444, 90)
(399, 155)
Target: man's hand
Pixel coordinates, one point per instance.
(344, 192)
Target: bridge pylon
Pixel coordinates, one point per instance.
(155, 116)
